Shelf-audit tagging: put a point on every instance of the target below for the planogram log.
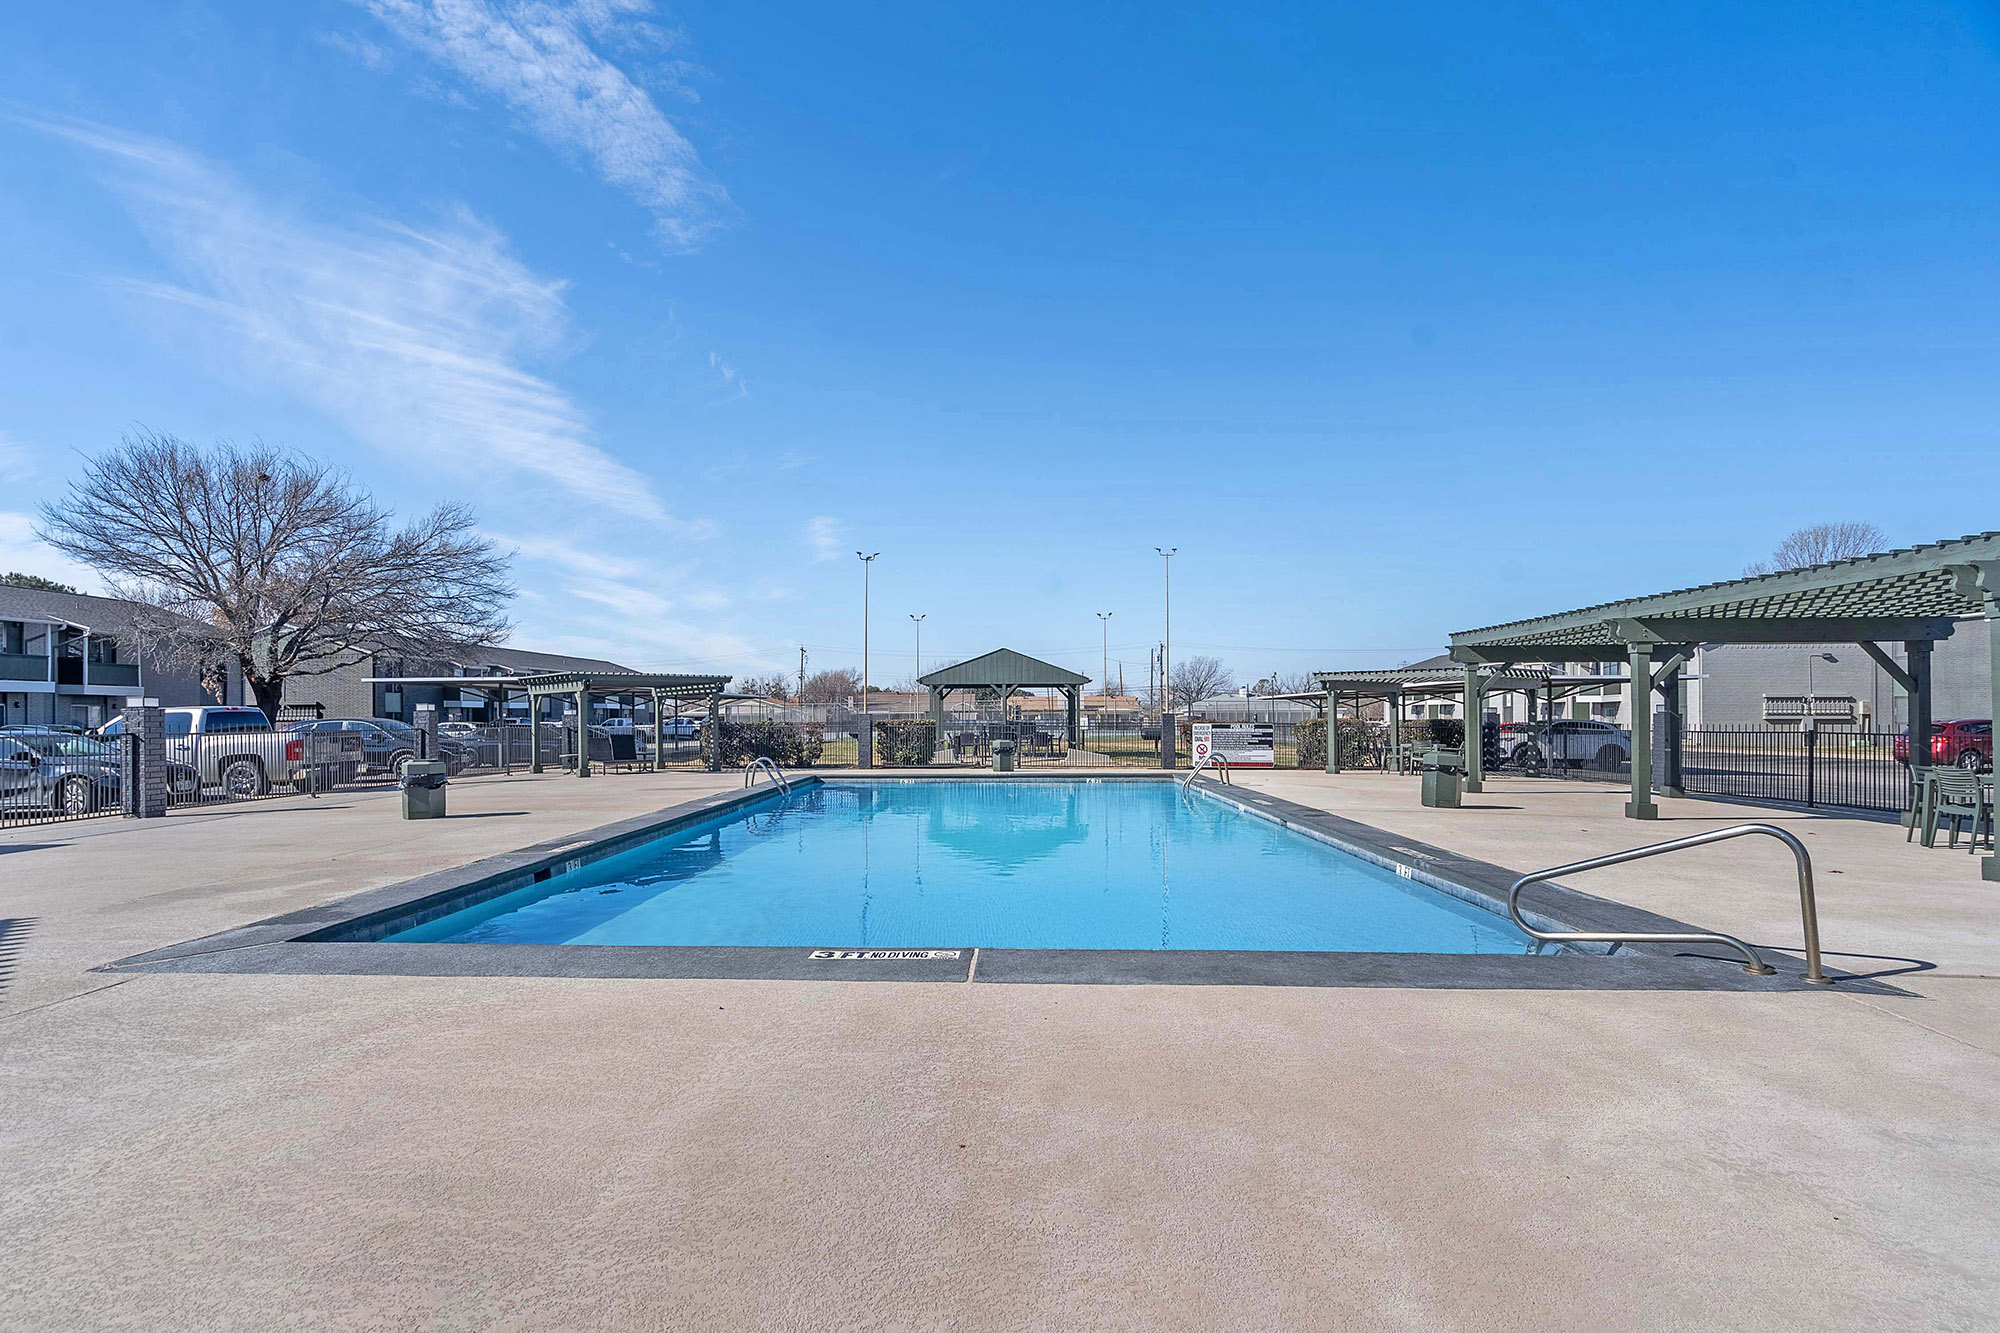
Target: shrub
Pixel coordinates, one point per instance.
(783, 743)
(1448, 732)
(905, 742)
(1360, 743)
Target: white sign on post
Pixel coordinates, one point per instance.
(1242, 745)
(1204, 733)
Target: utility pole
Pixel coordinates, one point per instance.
(920, 646)
(867, 564)
(1104, 668)
(1167, 643)
(802, 673)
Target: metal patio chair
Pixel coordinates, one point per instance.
(1921, 797)
(1959, 796)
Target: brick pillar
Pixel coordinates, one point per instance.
(866, 746)
(143, 791)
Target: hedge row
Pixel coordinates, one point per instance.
(905, 743)
(783, 743)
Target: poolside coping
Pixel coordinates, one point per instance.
(346, 935)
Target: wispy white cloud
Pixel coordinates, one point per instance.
(539, 58)
(413, 339)
(731, 381)
(17, 464)
(21, 552)
(827, 537)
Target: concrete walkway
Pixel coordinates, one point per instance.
(264, 1152)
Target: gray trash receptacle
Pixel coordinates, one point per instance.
(1003, 756)
(1442, 771)
(423, 788)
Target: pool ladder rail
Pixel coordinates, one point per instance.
(1211, 760)
(762, 764)
(1808, 910)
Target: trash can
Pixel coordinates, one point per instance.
(1442, 771)
(1003, 756)
(423, 788)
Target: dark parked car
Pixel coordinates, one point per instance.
(385, 742)
(69, 772)
(1966, 742)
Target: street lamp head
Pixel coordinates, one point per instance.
(1166, 551)
(866, 558)
(1826, 657)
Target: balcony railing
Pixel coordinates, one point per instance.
(115, 675)
(24, 666)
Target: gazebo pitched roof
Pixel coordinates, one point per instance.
(1002, 667)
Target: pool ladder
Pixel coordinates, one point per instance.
(762, 764)
(1808, 911)
(1214, 761)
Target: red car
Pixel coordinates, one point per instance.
(1967, 742)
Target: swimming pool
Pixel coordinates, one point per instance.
(984, 863)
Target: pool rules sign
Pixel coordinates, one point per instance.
(1240, 746)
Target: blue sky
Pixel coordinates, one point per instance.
(1394, 321)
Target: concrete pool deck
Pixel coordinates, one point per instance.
(368, 1151)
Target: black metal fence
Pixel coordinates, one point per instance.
(57, 773)
(1854, 770)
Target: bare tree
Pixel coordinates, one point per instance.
(1198, 678)
(776, 685)
(274, 562)
(831, 687)
(1819, 543)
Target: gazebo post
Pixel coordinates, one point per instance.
(1475, 752)
(499, 703)
(1641, 805)
(583, 730)
(1075, 715)
(1672, 690)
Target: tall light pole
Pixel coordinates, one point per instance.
(867, 562)
(920, 643)
(1167, 643)
(1104, 668)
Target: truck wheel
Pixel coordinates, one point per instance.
(244, 778)
(396, 762)
(1971, 760)
(75, 796)
(1610, 757)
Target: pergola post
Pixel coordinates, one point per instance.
(1475, 711)
(1919, 652)
(1673, 697)
(583, 731)
(937, 715)
(659, 736)
(499, 701)
(1980, 581)
(1641, 805)
(1075, 715)
(715, 732)
(534, 732)
(1333, 731)
(1395, 704)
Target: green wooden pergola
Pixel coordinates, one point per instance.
(1435, 679)
(1913, 596)
(1005, 671)
(580, 685)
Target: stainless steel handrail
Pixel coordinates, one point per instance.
(1808, 910)
(763, 763)
(1211, 760)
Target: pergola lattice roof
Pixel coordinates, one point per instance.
(1914, 593)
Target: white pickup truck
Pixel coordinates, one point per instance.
(234, 749)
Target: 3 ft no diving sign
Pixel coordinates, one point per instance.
(882, 955)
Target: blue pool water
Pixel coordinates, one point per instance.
(994, 864)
